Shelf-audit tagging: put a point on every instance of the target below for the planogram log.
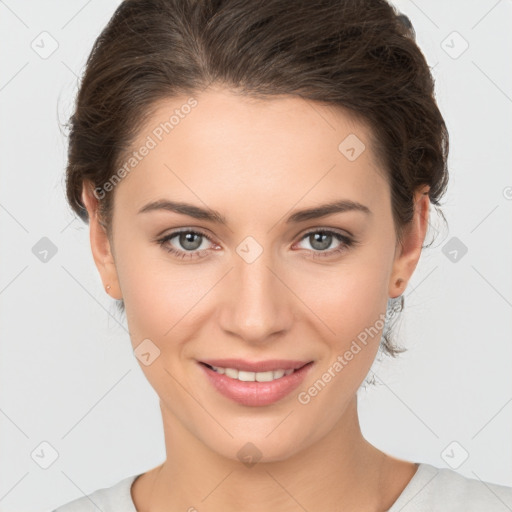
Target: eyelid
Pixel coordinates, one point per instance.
(342, 232)
(186, 229)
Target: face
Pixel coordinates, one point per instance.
(239, 274)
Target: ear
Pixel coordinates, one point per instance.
(100, 244)
(408, 252)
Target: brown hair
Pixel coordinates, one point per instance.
(358, 55)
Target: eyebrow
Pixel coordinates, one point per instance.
(341, 206)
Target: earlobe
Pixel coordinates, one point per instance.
(100, 244)
(409, 251)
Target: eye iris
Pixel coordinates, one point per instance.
(315, 237)
(187, 240)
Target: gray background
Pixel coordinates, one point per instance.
(68, 376)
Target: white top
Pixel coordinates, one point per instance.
(431, 489)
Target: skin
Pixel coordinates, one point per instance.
(256, 162)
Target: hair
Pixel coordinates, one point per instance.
(359, 56)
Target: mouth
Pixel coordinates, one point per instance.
(255, 384)
(253, 376)
(257, 366)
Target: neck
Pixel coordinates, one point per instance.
(340, 471)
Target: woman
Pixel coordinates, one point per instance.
(257, 178)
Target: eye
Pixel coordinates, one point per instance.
(186, 244)
(321, 240)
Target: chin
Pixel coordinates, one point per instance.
(251, 449)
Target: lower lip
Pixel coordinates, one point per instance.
(256, 394)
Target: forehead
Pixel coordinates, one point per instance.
(221, 145)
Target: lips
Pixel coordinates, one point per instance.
(259, 366)
(255, 393)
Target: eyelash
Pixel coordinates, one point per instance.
(347, 243)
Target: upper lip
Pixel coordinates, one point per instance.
(256, 366)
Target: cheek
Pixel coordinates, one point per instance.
(347, 298)
(160, 306)
(156, 292)
(172, 306)
(353, 306)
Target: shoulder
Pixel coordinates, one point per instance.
(116, 498)
(443, 489)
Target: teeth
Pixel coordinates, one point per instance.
(244, 376)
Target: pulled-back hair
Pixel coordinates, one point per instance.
(358, 55)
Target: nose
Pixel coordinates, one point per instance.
(258, 306)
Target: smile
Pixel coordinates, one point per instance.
(267, 383)
(245, 376)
